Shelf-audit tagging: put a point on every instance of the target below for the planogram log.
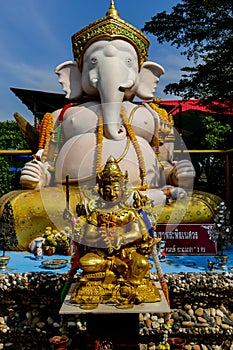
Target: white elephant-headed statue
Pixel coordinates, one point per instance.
(110, 68)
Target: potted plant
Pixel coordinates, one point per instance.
(59, 342)
(222, 234)
(56, 242)
(7, 234)
(50, 242)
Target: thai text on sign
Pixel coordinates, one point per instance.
(187, 239)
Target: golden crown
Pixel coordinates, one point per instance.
(111, 172)
(109, 27)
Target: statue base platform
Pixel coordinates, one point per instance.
(107, 324)
(69, 308)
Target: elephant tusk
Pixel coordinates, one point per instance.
(126, 85)
(94, 82)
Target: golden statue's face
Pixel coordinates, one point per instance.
(112, 191)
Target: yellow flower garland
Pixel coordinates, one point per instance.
(100, 139)
(45, 134)
(133, 139)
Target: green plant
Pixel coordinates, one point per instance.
(56, 241)
(11, 137)
(217, 135)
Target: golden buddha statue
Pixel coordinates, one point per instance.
(113, 246)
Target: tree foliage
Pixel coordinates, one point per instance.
(11, 137)
(217, 135)
(203, 30)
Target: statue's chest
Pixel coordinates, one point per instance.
(79, 121)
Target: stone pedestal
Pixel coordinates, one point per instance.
(118, 326)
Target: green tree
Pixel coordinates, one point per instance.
(217, 136)
(11, 137)
(203, 31)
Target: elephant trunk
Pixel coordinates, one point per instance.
(113, 124)
(112, 88)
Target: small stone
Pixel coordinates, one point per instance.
(199, 311)
(218, 320)
(201, 319)
(196, 347)
(148, 322)
(151, 346)
(212, 312)
(219, 313)
(204, 347)
(187, 307)
(191, 312)
(188, 324)
(141, 319)
(28, 315)
(35, 321)
(154, 318)
(161, 320)
(56, 325)
(225, 326)
(41, 324)
(155, 325)
(142, 346)
(207, 312)
(175, 316)
(188, 347)
(49, 320)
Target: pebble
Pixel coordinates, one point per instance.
(218, 320)
(199, 311)
(188, 324)
(204, 347)
(225, 326)
(219, 313)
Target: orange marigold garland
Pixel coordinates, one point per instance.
(133, 139)
(100, 139)
(45, 135)
(166, 120)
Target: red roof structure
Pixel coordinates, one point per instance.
(177, 106)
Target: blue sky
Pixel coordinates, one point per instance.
(35, 36)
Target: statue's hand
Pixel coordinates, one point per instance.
(182, 174)
(34, 175)
(178, 193)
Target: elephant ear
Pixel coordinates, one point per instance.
(70, 79)
(148, 78)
